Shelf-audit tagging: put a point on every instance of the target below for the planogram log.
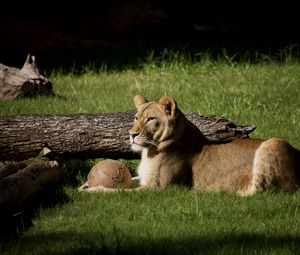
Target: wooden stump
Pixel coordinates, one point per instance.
(27, 81)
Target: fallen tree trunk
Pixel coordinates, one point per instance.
(86, 136)
(22, 182)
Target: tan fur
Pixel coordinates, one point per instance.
(175, 152)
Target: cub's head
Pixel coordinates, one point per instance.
(154, 122)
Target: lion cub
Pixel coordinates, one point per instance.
(175, 152)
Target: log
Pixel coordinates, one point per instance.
(27, 81)
(86, 136)
(22, 183)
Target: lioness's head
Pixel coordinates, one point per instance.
(154, 122)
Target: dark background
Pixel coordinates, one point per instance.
(120, 34)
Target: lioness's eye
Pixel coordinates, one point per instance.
(135, 118)
(150, 118)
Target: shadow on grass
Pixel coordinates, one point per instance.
(14, 223)
(97, 243)
(136, 55)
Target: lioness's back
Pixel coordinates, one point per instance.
(219, 164)
(248, 165)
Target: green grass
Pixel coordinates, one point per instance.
(175, 220)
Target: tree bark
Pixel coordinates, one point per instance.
(86, 136)
(27, 81)
(21, 183)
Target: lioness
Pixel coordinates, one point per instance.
(175, 152)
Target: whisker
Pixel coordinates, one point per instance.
(145, 141)
(151, 142)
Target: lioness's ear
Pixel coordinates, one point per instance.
(139, 100)
(168, 104)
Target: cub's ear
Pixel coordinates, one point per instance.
(168, 104)
(139, 100)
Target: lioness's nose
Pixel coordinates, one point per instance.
(133, 134)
